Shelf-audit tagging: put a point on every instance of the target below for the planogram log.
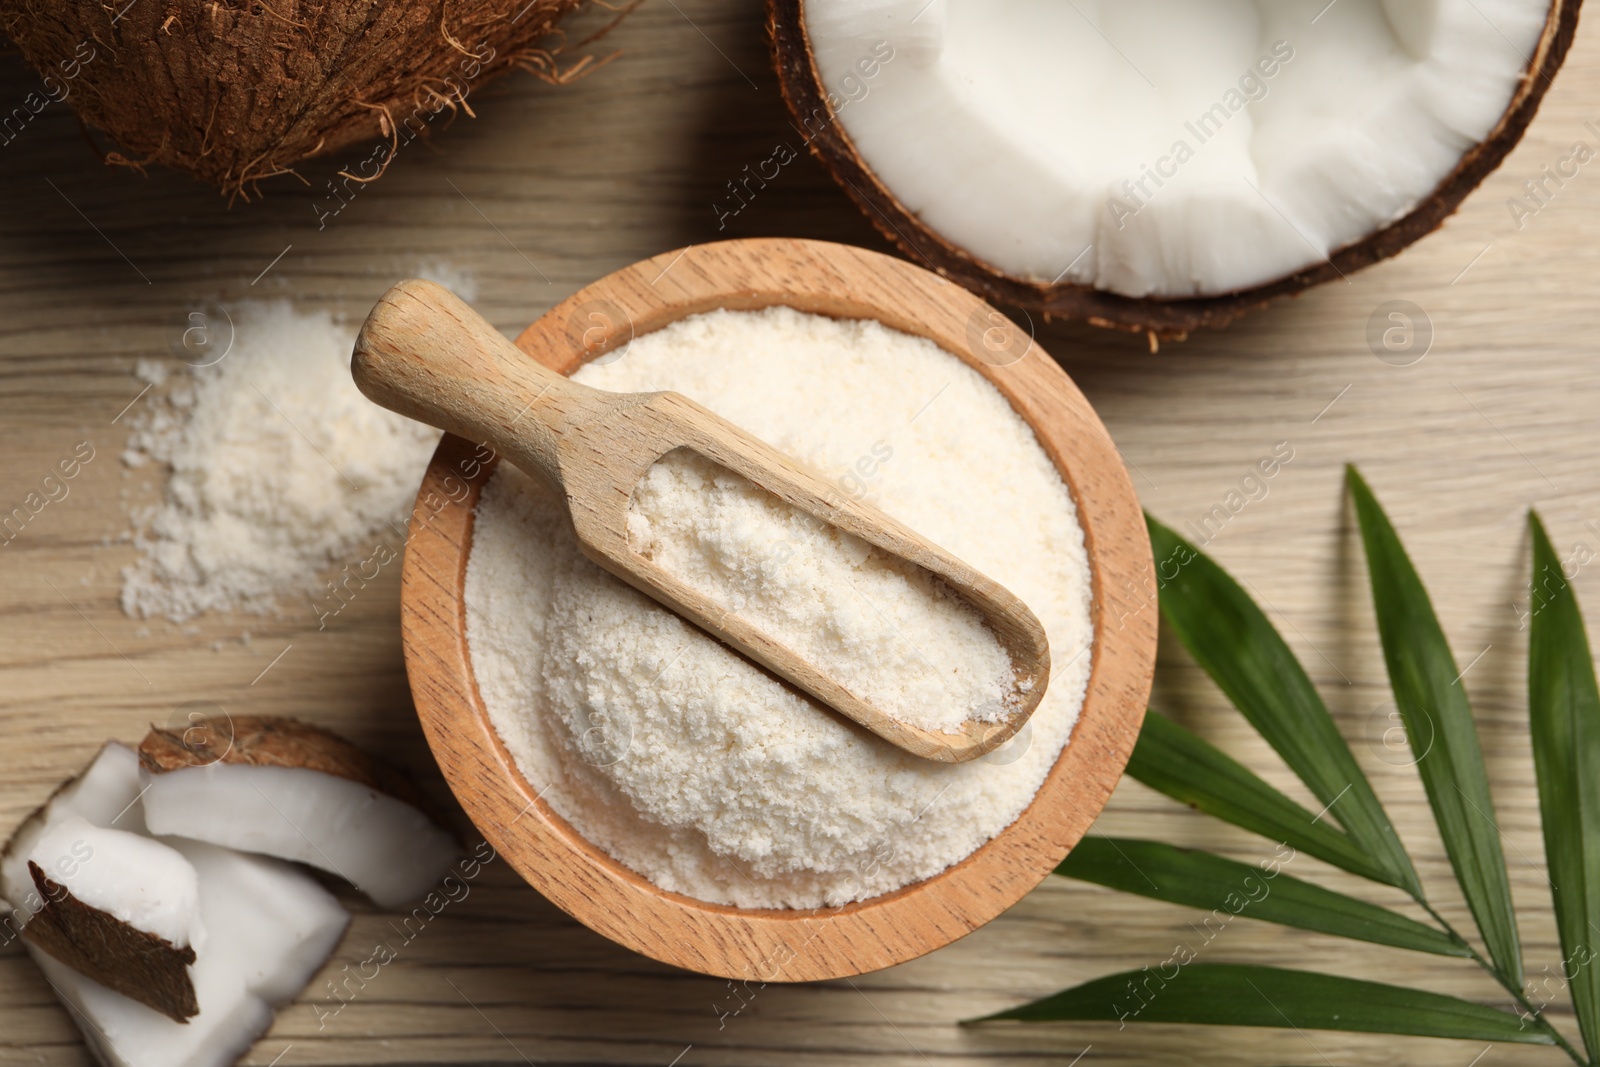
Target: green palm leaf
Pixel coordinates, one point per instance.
(1189, 769)
(1226, 994)
(1564, 716)
(1438, 720)
(1227, 888)
(1235, 644)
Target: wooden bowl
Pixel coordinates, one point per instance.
(772, 944)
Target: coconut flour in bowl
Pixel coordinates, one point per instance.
(686, 762)
(888, 631)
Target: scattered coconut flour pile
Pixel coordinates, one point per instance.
(280, 468)
(686, 762)
(459, 280)
(888, 631)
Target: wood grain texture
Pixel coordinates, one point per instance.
(425, 353)
(774, 945)
(551, 188)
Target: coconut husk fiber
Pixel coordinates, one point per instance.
(236, 91)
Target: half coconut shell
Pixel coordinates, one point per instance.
(807, 100)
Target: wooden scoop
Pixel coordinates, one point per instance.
(427, 355)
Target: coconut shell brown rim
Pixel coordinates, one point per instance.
(770, 944)
(801, 87)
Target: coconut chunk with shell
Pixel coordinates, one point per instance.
(234, 93)
(268, 927)
(105, 794)
(120, 908)
(296, 791)
(1161, 164)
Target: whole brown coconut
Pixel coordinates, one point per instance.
(814, 112)
(235, 91)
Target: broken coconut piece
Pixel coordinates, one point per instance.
(299, 792)
(1160, 164)
(104, 794)
(119, 908)
(269, 927)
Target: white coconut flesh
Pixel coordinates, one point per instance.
(385, 847)
(1166, 148)
(269, 927)
(105, 794)
(136, 880)
(273, 927)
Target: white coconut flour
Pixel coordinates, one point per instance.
(890, 632)
(686, 762)
(280, 468)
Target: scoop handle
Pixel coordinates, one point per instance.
(424, 353)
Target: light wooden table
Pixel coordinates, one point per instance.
(552, 187)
